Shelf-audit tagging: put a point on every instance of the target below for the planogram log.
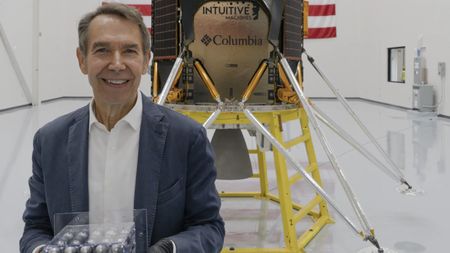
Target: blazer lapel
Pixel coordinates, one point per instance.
(151, 148)
(78, 161)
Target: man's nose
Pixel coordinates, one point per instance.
(116, 62)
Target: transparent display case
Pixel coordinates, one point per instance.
(74, 234)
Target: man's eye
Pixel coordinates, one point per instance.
(130, 51)
(100, 50)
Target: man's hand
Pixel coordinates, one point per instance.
(162, 246)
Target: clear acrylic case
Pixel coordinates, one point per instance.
(74, 234)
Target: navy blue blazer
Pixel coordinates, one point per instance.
(174, 181)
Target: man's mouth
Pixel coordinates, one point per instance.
(116, 82)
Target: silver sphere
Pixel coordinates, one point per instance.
(52, 249)
(101, 248)
(86, 249)
(75, 243)
(71, 249)
(117, 248)
(82, 236)
(91, 241)
(67, 236)
(61, 243)
(96, 233)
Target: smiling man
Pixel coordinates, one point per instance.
(122, 152)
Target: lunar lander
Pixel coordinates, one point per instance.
(237, 65)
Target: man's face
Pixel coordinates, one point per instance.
(114, 60)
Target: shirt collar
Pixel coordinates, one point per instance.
(133, 117)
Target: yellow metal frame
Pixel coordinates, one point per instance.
(291, 212)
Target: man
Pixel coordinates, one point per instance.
(122, 151)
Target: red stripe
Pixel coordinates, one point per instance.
(144, 9)
(318, 33)
(322, 10)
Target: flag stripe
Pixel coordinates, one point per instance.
(144, 9)
(327, 32)
(321, 19)
(147, 21)
(321, 22)
(128, 2)
(321, 2)
(322, 10)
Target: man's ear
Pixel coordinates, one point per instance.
(146, 62)
(82, 61)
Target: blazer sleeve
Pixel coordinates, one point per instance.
(204, 230)
(38, 229)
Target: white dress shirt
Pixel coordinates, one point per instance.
(112, 166)
(113, 158)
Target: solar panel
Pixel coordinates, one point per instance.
(165, 29)
(293, 30)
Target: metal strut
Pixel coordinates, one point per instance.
(171, 79)
(346, 105)
(213, 116)
(15, 64)
(260, 128)
(350, 140)
(254, 81)
(351, 196)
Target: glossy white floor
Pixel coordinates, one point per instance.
(418, 142)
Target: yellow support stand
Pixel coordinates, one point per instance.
(291, 212)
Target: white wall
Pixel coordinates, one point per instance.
(11, 93)
(338, 58)
(59, 74)
(402, 23)
(15, 17)
(356, 61)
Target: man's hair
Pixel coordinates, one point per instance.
(115, 9)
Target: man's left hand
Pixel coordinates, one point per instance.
(162, 246)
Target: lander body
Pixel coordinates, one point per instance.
(237, 65)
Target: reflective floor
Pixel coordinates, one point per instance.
(418, 143)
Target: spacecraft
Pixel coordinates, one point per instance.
(237, 65)
(226, 46)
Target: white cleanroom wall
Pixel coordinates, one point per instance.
(356, 61)
(11, 93)
(338, 58)
(403, 23)
(15, 18)
(59, 75)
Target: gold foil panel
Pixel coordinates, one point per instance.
(231, 41)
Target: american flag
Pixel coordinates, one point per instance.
(143, 6)
(321, 19)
